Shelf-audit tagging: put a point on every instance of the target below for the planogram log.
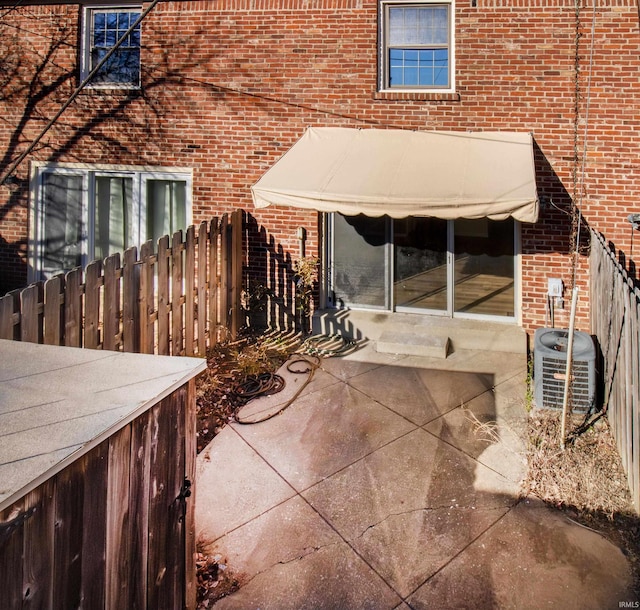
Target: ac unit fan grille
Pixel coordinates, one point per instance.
(553, 374)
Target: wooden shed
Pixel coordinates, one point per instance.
(97, 456)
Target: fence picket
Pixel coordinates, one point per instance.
(177, 275)
(236, 272)
(54, 310)
(130, 295)
(147, 304)
(202, 301)
(214, 293)
(225, 273)
(73, 308)
(111, 316)
(189, 291)
(92, 290)
(164, 295)
(10, 316)
(223, 297)
(31, 313)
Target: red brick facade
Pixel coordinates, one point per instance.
(230, 85)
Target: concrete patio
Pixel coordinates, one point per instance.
(393, 482)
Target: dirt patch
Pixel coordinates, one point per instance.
(585, 480)
(212, 581)
(229, 364)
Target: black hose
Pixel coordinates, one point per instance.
(264, 384)
(328, 345)
(253, 386)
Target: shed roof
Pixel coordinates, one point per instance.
(57, 403)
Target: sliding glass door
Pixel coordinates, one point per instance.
(462, 268)
(420, 264)
(360, 261)
(484, 269)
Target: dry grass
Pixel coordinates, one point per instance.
(587, 475)
(229, 363)
(585, 480)
(488, 431)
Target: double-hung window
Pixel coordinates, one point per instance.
(104, 29)
(416, 46)
(80, 214)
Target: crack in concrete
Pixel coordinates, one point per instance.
(306, 551)
(429, 509)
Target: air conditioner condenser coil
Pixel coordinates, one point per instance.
(550, 367)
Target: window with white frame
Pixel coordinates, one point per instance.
(417, 50)
(104, 28)
(81, 214)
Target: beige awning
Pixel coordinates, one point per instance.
(405, 173)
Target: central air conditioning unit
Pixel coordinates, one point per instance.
(550, 367)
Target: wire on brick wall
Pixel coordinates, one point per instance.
(573, 246)
(290, 104)
(74, 95)
(11, 8)
(579, 180)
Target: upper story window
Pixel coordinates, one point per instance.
(104, 27)
(417, 46)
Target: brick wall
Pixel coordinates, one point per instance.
(230, 85)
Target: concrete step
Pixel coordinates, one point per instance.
(415, 334)
(413, 344)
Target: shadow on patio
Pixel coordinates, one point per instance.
(393, 482)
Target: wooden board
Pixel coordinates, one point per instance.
(94, 526)
(92, 290)
(68, 539)
(73, 309)
(31, 313)
(54, 310)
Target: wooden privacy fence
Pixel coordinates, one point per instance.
(615, 313)
(176, 301)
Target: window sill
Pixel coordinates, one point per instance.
(112, 90)
(109, 86)
(418, 96)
